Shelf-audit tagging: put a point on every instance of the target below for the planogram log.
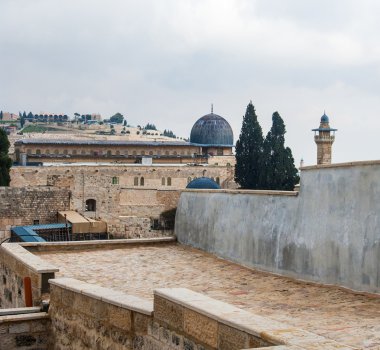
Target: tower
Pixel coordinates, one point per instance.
(324, 137)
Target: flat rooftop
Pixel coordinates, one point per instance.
(341, 315)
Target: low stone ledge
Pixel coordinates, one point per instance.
(251, 192)
(106, 295)
(24, 317)
(20, 310)
(31, 261)
(270, 331)
(93, 244)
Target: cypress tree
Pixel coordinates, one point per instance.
(5, 161)
(278, 163)
(1, 115)
(248, 152)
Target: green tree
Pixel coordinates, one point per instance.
(117, 118)
(150, 127)
(169, 133)
(249, 150)
(278, 163)
(1, 115)
(5, 161)
(125, 122)
(22, 121)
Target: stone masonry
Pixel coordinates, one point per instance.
(26, 206)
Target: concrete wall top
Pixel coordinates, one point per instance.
(341, 165)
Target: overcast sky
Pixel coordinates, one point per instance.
(166, 61)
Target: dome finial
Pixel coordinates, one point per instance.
(212, 108)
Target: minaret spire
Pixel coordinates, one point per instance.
(212, 108)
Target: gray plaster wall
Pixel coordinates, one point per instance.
(329, 233)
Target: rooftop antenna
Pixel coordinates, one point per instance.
(212, 108)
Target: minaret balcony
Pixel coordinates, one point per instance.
(319, 138)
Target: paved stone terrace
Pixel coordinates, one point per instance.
(346, 317)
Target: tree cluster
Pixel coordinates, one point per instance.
(264, 163)
(169, 133)
(150, 127)
(5, 161)
(117, 118)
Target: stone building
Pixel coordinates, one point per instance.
(211, 139)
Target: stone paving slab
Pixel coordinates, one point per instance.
(340, 315)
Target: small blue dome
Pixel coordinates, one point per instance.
(324, 118)
(203, 183)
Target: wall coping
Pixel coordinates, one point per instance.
(113, 243)
(257, 192)
(24, 317)
(20, 310)
(28, 259)
(341, 165)
(265, 328)
(107, 295)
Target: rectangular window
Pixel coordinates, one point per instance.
(115, 180)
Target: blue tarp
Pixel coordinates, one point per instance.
(28, 233)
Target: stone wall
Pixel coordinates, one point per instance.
(329, 233)
(86, 316)
(25, 331)
(16, 263)
(22, 206)
(113, 188)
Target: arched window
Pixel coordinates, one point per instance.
(74, 152)
(109, 153)
(90, 205)
(47, 152)
(136, 181)
(142, 181)
(134, 153)
(169, 180)
(167, 153)
(218, 180)
(83, 151)
(151, 153)
(38, 151)
(163, 181)
(65, 151)
(143, 153)
(174, 153)
(118, 153)
(56, 151)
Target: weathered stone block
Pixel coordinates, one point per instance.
(201, 327)
(141, 323)
(168, 312)
(22, 327)
(231, 338)
(119, 317)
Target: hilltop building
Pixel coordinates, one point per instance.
(211, 136)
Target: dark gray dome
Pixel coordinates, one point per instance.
(213, 130)
(203, 183)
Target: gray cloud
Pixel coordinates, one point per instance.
(166, 61)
